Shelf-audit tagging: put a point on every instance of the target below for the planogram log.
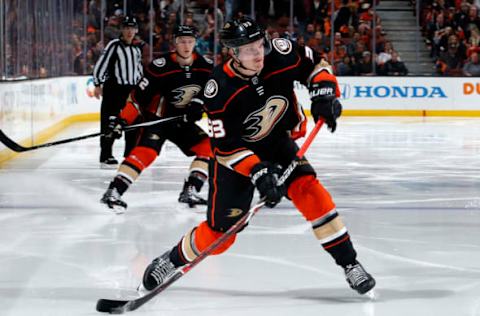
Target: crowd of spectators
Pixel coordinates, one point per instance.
(353, 40)
(353, 27)
(452, 32)
(35, 38)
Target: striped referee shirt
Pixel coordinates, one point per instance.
(120, 62)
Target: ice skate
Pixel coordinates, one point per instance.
(189, 197)
(108, 163)
(112, 199)
(359, 279)
(158, 271)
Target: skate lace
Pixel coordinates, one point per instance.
(162, 270)
(187, 193)
(194, 197)
(190, 192)
(356, 275)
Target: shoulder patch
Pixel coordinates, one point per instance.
(211, 88)
(159, 62)
(282, 45)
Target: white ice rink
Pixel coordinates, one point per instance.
(408, 190)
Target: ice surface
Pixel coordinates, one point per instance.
(407, 188)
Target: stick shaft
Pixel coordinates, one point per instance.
(19, 148)
(310, 138)
(119, 306)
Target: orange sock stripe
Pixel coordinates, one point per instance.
(205, 236)
(141, 157)
(310, 197)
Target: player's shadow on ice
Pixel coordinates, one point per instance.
(325, 295)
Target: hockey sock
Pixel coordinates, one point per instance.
(342, 251)
(185, 251)
(198, 172)
(333, 235)
(141, 157)
(126, 175)
(197, 180)
(315, 203)
(196, 241)
(120, 183)
(131, 167)
(310, 197)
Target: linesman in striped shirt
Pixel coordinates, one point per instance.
(116, 73)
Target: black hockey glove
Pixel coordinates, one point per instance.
(115, 127)
(324, 102)
(194, 111)
(265, 176)
(329, 110)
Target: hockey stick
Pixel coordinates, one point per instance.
(19, 148)
(121, 306)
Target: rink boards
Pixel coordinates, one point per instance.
(32, 111)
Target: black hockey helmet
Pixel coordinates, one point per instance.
(185, 30)
(241, 31)
(129, 21)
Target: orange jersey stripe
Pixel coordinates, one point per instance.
(230, 100)
(240, 160)
(245, 166)
(227, 68)
(214, 195)
(283, 69)
(203, 149)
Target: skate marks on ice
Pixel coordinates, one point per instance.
(410, 202)
(25, 190)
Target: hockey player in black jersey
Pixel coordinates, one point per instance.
(252, 110)
(168, 89)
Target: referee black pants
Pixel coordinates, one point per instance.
(113, 101)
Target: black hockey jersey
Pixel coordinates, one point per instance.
(167, 88)
(248, 117)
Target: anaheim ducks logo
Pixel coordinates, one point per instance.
(235, 212)
(183, 95)
(261, 122)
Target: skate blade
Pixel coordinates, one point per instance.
(114, 209)
(195, 209)
(192, 205)
(117, 210)
(372, 295)
(141, 289)
(105, 166)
